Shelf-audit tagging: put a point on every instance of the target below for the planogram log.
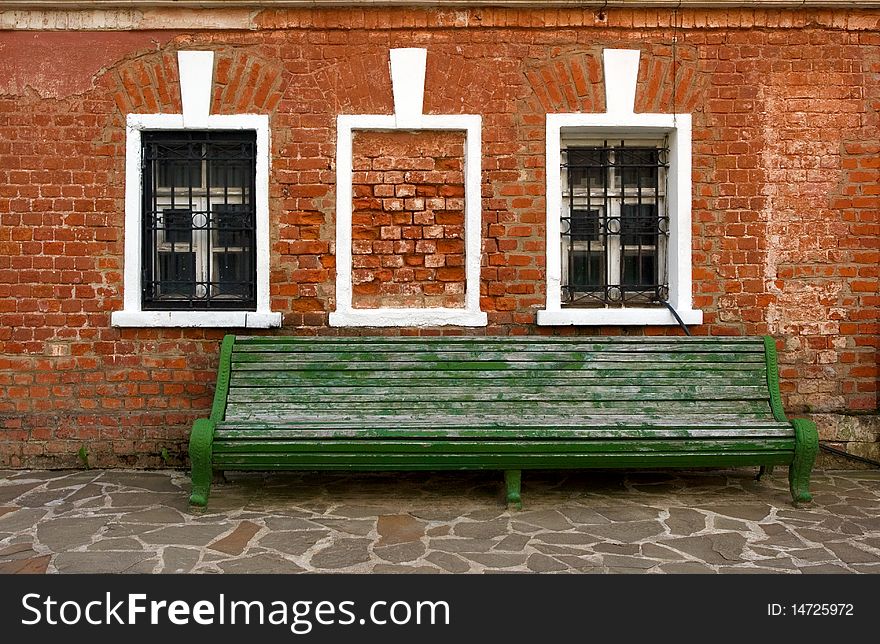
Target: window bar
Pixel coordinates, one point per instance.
(571, 272)
(659, 279)
(639, 225)
(605, 162)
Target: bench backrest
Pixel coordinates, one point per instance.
(704, 377)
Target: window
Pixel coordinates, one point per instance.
(618, 220)
(199, 220)
(614, 223)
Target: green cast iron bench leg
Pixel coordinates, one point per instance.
(200, 453)
(512, 480)
(805, 450)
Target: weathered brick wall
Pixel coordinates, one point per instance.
(408, 219)
(785, 196)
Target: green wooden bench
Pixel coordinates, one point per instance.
(501, 403)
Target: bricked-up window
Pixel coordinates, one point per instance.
(615, 224)
(199, 220)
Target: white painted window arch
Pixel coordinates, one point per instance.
(408, 81)
(196, 73)
(620, 121)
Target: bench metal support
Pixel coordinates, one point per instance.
(513, 480)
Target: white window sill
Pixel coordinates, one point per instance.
(408, 317)
(603, 317)
(243, 319)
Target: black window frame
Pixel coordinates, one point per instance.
(205, 224)
(617, 203)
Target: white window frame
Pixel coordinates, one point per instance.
(195, 65)
(621, 68)
(408, 84)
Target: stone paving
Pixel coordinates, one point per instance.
(694, 521)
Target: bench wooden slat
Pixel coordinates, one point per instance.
(419, 446)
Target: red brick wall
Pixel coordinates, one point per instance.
(785, 195)
(408, 219)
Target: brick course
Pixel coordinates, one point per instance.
(785, 195)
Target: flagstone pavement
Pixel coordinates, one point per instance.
(691, 521)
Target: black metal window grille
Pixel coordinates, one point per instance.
(199, 220)
(615, 225)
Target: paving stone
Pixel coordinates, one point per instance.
(824, 569)
(512, 542)
(711, 548)
(481, 529)
(800, 515)
(627, 513)
(103, 562)
(617, 548)
(552, 549)
(399, 528)
(193, 534)
(628, 531)
(621, 562)
(811, 554)
(298, 523)
(179, 560)
(359, 511)
(778, 563)
(12, 492)
(656, 551)
(542, 563)
(778, 535)
(29, 566)
(342, 554)
(823, 537)
(848, 553)
(581, 565)
(124, 499)
(866, 568)
(7, 509)
(43, 498)
(727, 525)
(749, 512)
(497, 559)
(23, 549)
(154, 482)
(293, 542)
(153, 515)
(742, 570)
(582, 516)
(356, 527)
(869, 524)
(72, 480)
(686, 568)
(436, 514)
(401, 552)
(404, 570)
(525, 528)
(66, 534)
(461, 544)
(685, 521)
(448, 562)
(259, 564)
(236, 542)
(566, 538)
(486, 514)
(547, 519)
(439, 531)
(124, 543)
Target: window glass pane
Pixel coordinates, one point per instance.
(638, 224)
(637, 167)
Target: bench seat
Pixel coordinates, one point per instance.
(498, 403)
